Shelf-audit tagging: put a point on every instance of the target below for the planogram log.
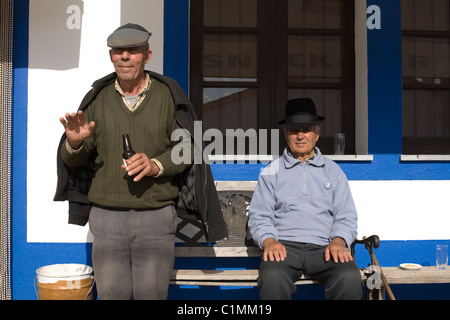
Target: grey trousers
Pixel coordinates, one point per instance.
(342, 281)
(133, 252)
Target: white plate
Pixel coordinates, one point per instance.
(410, 266)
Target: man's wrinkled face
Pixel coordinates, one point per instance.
(129, 63)
(302, 141)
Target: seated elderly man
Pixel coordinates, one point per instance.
(303, 216)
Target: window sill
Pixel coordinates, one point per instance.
(424, 157)
(268, 158)
(350, 157)
(240, 158)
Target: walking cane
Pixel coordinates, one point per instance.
(374, 241)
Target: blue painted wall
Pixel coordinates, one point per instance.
(384, 51)
(384, 59)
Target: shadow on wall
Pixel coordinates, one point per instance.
(55, 38)
(56, 26)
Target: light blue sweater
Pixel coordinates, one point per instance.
(309, 202)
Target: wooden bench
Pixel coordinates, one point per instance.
(231, 277)
(248, 277)
(424, 275)
(235, 198)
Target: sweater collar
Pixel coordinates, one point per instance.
(317, 160)
(177, 92)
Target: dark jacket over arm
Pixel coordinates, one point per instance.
(198, 195)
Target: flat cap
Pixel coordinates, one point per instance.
(128, 35)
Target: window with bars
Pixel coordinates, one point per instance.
(426, 76)
(248, 57)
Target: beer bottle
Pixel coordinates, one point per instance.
(128, 151)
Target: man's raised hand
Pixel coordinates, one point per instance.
(77, 128)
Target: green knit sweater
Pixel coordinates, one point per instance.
(150, 128)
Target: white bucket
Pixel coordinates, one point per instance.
(65, 282)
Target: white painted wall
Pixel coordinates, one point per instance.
(403, 210)
(63, 63)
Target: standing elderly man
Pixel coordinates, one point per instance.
(303, 216)
(132, 208)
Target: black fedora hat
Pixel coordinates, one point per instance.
(300, 113)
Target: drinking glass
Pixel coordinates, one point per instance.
(339, 143)
(441, 256)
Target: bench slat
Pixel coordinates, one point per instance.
(396, 275)
(247, 277)
(216, 251)
(228, 275)
(212, 283)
